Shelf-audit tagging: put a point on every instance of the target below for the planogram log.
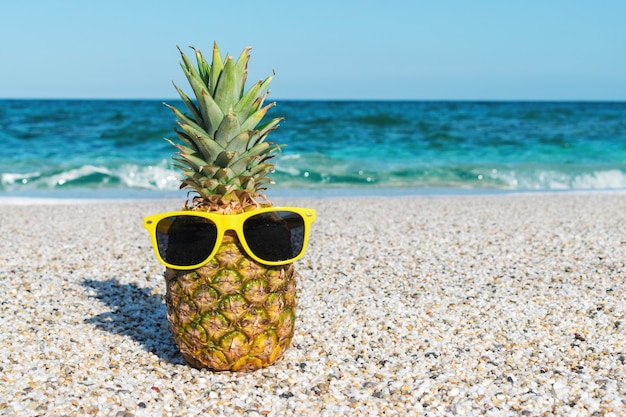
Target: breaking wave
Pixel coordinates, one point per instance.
(151, 177)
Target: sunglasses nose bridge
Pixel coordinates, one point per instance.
(234, 225)
(232, 222)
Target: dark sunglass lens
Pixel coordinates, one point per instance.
(185, 240)
(275, 236)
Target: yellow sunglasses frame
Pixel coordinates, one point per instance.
(225, 222)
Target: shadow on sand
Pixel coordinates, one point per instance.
(136, 313)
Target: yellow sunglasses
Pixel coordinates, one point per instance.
(187, 240)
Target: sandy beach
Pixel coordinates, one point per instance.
(467, 305)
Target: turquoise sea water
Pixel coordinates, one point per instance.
(116, 148)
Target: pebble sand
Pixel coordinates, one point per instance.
(467, 305)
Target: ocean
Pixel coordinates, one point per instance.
(115, 148)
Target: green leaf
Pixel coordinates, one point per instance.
(242, 165)
(184, 119)
(190, 183)
(255, 118)
(235, 181)
(208, 171)
(199, 90)
(228, 129)
(205, 144)
(258, 103)
(241, 70)
(260, 169)
(194, 176)
(223, 175)
(190, 149)
(258, 149)
(191, 161)
(188, 65)
(224, 158)
(266, 128)
(186, 139)
(211, 115)
(225, 189)
(216, 68)
(226, 94)
(195, 113)
(243, 106)
(210, 184)
(203, 67)
(241, 142)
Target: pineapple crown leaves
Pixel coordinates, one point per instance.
(224, 146)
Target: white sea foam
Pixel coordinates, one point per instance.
(154, 177)
(610, 179)
(131, 176)
(71, 175)
(302, 173)
(10, 178)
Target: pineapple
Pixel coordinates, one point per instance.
(232, 313)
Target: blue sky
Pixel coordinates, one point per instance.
(402, 49)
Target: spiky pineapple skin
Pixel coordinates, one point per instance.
(232, 314)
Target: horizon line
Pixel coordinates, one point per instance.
(467, 100)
